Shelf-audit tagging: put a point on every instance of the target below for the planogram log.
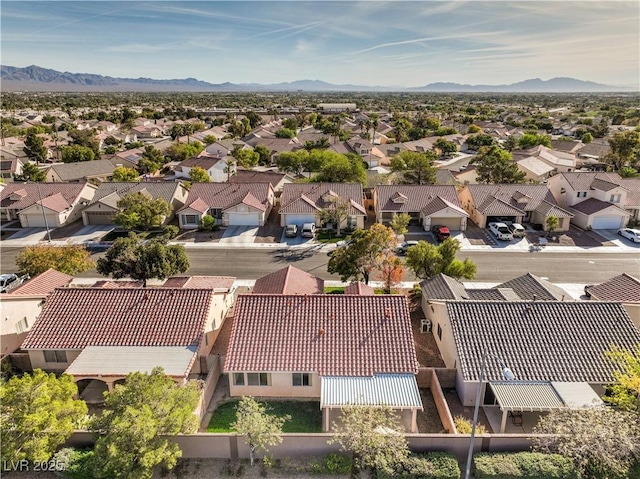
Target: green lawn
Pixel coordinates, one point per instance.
(324, 237)
(306, 416)
(334, 290)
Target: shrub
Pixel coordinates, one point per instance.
(433, 465)
(335, 463)
(523, 465)
(464, 426)
(207, 223)
(171, 231)
(74, 463)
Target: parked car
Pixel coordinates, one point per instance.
(308, 230)
(501, 231)
(402, 249)
(8, 281)
(517, 230)
(440, 232)
(630, 234)
(291, 231)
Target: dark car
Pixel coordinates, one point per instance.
(440, 232)
(402, 249)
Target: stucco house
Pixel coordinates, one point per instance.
(516, 203)
(559, 161)
(231, 204)
(99, 335)
(45, 204)
(214, 166)
(597, 200)
(94, 171)
(22, 306)
(426, 204)
(335, 348)
(10, 166)
(104, 205)
(301, 203)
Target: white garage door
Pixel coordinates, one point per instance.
(37, 221)
(452, 223)
(606, 223)
(299, 219)
(244, 219)
(99, 218)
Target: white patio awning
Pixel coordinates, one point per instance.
(398, 391)
(122, 360)
(543, 395)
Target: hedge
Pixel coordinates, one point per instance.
(432, 465)
(523, 465)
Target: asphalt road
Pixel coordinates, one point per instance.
(495, 266)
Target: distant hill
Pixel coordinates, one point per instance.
(35, 78)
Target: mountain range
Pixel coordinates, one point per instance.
(35, 78)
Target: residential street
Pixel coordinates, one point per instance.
(493, 266)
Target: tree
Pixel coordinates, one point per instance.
(246, 158)
(31, 172)
(137, 424)
(473, 129)
(417, 167)
(628, 172)
(69, 259)
(140, 210)
(75, 154)
(335, 213)
(181, 152)
(551, 223)
(495, 166)
(290, 162)
(128, 258)
(601, 441)
(259, 429)
(391, 272)
(587, 138)
(152, 159)
(625, 149)
(285, 133)
(39, 413)
(446, 148)
(34, 148)
(532, 138)
(124, 174)
(264, 155)
(475, 142)
(341, 169)
(373, 435)
(364, 255)
(399, 224)
(427, 260)
(86, 138)
(625, 391)
(209, 140)
(197, 174)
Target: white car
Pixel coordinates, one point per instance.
(630, 234)
(517, 230)
(501, 231)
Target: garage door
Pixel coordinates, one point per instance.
(452, 223)
(244, 219)
(99, 218)
(606, 223)
(37, 221)
(299, 219)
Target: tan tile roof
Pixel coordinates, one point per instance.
(226, 195)
(330, 334)
(29, 194)
(624, 288)
(315, 193)
(594, 205)
(73, 318)
(57, 203)
(117, 284)
(502, 200)
(417, 197)
(289, 280)
(43, 284)
(359, 288)
(200, 282)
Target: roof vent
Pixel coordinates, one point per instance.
(535, 296)
(145, 296)
(322, 332)
(387, 312)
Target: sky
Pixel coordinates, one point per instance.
(369, 43)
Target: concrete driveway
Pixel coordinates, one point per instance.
(90, 232)
(26, 237)
(298, 240)
(239, 234)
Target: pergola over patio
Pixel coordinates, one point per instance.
(396, 391)
(541, 396)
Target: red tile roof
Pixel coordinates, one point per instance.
(30, 193)
(313, 197)
(289, 280)
(106, 283)
(623, 288)
(330, 334)
(43, 284)
(227, 195)
(359, 288)
(412, 198)
(200, 282)
(57, 203)
(73, 318)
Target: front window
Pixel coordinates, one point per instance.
(190, 219)
(301, 379)
(55, 356)
(352, 222)
(216, 213)
(615, 198)
(238, 379)
(581, 194)
(258, 379)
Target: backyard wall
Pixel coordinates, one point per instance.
(214, 363)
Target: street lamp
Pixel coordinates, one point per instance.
(509, 376)
(44, 214)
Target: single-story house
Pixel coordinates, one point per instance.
(231, 204)
(22, 306)
(289, 280)
(597, 200)
(623, 288)
(104, 205)
(539, 341)
(559, 161)
(329, 347)
(45, 204)
(302, 202)
(99, 335)
(277, 180)
(515, 203)
(94, 171)
(426, 204)
(215, 167)
(535, 169)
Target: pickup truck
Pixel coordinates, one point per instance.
(501, 231)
